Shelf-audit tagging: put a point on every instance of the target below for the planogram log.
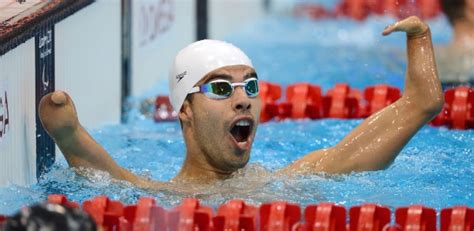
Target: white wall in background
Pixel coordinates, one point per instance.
(87, 60)
(285, 7)
(160, 28)
(17, 93)
(228, 16)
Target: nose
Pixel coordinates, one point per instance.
(240, 100)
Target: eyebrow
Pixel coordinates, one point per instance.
(219, 76)
(229, 77)
(251, 75)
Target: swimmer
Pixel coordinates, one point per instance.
(456, 60)
(214, 88)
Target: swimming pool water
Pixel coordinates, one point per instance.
(436, 168)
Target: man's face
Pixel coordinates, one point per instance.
(224, 129)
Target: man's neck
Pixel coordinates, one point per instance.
(463, 35)
(198, 170)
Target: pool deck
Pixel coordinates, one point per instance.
(11, 11)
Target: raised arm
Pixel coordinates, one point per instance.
(375, 143)
(59, 118)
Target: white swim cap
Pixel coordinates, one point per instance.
(195, 61)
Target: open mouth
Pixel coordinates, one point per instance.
(241, 130)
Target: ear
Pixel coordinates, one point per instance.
(186, 112)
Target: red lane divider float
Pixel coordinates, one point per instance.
(303, 100)
(279, 216)
(104, 211)
(324, 217)
(313, 11)
(457, 218)
(190, 216)
(461, 102)
(428, 8)
(236, 215)
(342, 102)
(145, 215)
(62, 200)
(378, 97)
(306, 101)
(369, 217)
(416, 217)
(360, 9)
(269, 93)
(2, 220)
(458, 109)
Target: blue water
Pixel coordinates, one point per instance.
(436, 168)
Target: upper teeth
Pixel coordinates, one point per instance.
(243, 123)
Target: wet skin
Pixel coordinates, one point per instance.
(212, 151)
(212, 154)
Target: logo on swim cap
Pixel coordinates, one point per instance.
(181, 76)
(198, 59)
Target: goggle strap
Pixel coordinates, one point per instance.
(195, 89)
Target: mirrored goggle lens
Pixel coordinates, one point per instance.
(219, 89)
(251, 87)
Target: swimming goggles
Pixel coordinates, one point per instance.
(222, 89)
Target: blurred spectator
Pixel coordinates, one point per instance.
(456, 60)
(49, 217)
